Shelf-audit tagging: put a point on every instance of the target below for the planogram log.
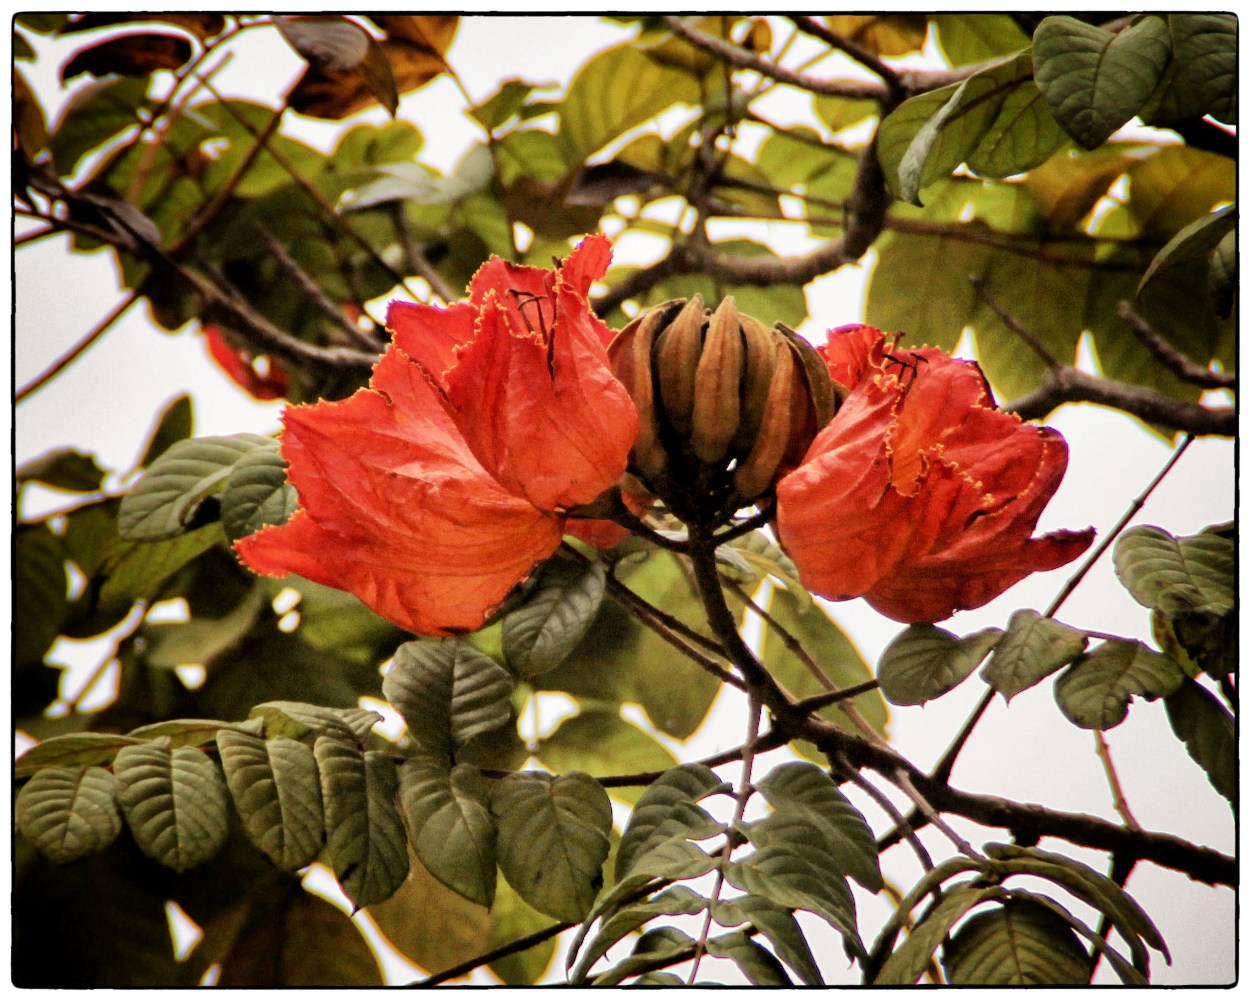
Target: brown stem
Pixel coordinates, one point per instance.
(1176, 361)
(75, 352)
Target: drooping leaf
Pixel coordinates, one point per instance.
(64, 469)
(924, 662)
(794, 876)
(777, 924)
(1209, 732)
(294, 939)
(165, 502)
(676, 900)
(907, 963)
(1176, 575)
(447, 692)
(1197, 239)
(1095, 691)
(667, 809)
(1095, 80)
(539, 634)
(1029, 651)
(365, 841)
(257, 494)
(131, 54)
(174, 424)
(69, 812)
(654, 950)
(75, 750)
(277, 791)
(756, 962)
(174, 802)
(136, 570)
(1019, 943)
(1204, 50)
(450, 824)
(552, 839)
(807, 791)
(601, 743)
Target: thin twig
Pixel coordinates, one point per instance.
(417, 261)
(873, 792)
(1113, 780)
(861, 55)
(1175, 360)
(1012, 323)
(75, 352)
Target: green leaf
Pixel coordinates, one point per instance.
(137, 570)
(552, 839)
(835, 655)
(601, 743)
(40, 596)
(654, 950)
(908, 962)
(1123, 968)
(807, 791)
(1094, 80)
(75, 750)
(450, 824)
(64, 469)
(1209, 732)
(1204, 50)
(676, 900)
(667, 809)
(1095, 691)
(974, 38)
(173, 425)
(1176, 575)
(277, 791)
(1222, 276)
(777, 924)
(924, 662)
(505, 102)
(447, 692)
(539, 634)
(191, 732)
(297, 720)
(614, 92)
(793, 876)
(203, 639)
(257, 494)
(757, 963)
(174, 801)
(69, 812)
(838, 113)
(511, 919)
(995, 117)
(1029, 651)
(1019, 943)
(365, 842)
(1197, 239)
(166, 501)
(94, 114)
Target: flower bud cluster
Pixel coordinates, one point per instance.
(726, 406)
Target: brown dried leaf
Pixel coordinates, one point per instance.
(202, 24)
(129, 55)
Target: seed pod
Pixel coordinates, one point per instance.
(677, 352)
(756, 472)
(630, 357)
(761, 358)
(716, 387)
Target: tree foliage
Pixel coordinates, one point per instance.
(998, 195)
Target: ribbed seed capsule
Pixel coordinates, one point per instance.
(716, 384)
(757, 471)
(761, 357)
(677, 359)
(630, 356)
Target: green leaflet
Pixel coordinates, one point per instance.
(565, 598)
(1209, 732)
(447, 692)
(75, 750)
(601, 743)
(552, 839)
(257, 494)
(924, 662)
(757, 963)
(1176, 575)
(907, 963)
(777, 924)
(453, 833)
(276, 789)
(297, 720)
(667, 809)
(1095, 691)
(365, 842)
(1093, 80)
(174, 802)
(69, 812)
(672, 901)
(807, 791)
(1019, 943)
(167, 501)
(1029, 651)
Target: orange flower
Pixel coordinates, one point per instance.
(919, 495)
(436, 490)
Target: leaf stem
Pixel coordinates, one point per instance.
(1113, 780)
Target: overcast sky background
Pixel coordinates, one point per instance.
(106, 401)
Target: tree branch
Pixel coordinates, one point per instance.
(1176, 361)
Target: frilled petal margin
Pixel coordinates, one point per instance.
(919, 495)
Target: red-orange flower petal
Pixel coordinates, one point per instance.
(241, 366)
(395, 509)
(919, 495)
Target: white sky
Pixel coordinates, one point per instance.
(106, 401)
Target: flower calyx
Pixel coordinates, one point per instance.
(726, 405)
